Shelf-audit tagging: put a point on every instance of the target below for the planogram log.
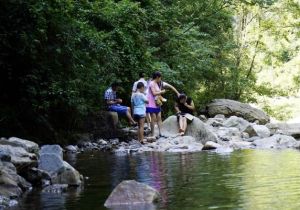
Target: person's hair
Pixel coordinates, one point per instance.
(156, 75)
(182, 96)
(140, 85)
(115, 84)
(141, 74)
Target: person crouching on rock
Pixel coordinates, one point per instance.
(113, 103)
(139, 101)
(184, 107)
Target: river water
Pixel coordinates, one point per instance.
(246, 179)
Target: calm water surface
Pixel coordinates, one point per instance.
(247, 179)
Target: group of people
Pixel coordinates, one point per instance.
(147, 99)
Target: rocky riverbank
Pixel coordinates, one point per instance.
(232, 125)
(23, 165)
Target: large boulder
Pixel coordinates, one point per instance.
(29, 146)
(130, 192)
(52, 149)
(51, 161)
(196, 129)
(11, 184)
(290, 129)
(19, 156)
(277, 141)
(234, 108)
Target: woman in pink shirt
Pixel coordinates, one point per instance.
(155, 89)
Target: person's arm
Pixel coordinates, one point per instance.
(191, 107)
(176, 108)
(115, 101)
(167, 85)
(145, 99)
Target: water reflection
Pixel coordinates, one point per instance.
(248, 179)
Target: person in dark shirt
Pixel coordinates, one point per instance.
(185, 108)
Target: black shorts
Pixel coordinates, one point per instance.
(138, 117)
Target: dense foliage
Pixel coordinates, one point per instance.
(57, 57)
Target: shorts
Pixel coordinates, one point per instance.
(119, 109)
(183, 114)
(153, 110)
(138, 116)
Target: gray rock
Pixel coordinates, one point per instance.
(241, 145)
(67, 175)
(290, 129)
(211, 145)
(52, 149)
(51, 163)
(237, 122)
(130, 192)
(257, 130)
(71, 148)
(19, 156)
(5, 157)
(277, 141)
(228, 134)
(12, 185)
(29, 146)
(196, 129)
(202, 118)
(220, 116)
(215, 122)
(37, 176)
(234, 108)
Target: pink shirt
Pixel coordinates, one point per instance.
(150, 96)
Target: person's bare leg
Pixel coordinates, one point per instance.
(159, 122)
(128, 114)
(180, 124)
(148, 120)
(184, 125)
(141, 129)
(152, 123)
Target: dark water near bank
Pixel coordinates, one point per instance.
(248, 179)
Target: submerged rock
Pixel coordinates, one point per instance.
(130, 192)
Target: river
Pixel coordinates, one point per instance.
(245, 179)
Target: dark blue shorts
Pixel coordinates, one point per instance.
(119, 109)
(137, 116)
(153, 110)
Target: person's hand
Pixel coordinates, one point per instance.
(119, 100)
(185, 104)
(163, 91)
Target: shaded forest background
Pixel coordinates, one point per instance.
(57, 57)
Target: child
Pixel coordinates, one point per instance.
(139, 101)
